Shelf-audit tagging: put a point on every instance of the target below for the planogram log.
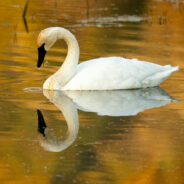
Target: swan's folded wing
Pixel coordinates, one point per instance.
(112, 73)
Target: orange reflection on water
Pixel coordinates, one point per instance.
(146, 148)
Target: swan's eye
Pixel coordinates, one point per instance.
(41, 55)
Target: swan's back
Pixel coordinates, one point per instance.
(110, 73)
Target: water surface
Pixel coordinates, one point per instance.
(142, 147)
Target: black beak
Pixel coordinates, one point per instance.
(41, 55)
(41, 123)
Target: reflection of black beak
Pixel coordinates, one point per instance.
(41, 55)
(41, 123)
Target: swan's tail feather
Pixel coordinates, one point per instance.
(168, 72)
(158, 78)
(169, 67)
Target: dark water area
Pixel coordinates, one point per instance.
(121, 137)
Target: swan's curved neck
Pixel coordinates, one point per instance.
(68, 69)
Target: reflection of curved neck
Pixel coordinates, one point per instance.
(51, 143)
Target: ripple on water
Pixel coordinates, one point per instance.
(33, 89)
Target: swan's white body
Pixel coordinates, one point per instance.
(107, 73)
(110, 73)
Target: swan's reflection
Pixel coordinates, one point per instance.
(111, 103)
(47, 139)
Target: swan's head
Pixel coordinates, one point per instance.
(46, 39)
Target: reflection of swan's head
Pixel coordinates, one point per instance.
(46, 137)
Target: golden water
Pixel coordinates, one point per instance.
(142, 149)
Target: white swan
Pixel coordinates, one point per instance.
(107, 73)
